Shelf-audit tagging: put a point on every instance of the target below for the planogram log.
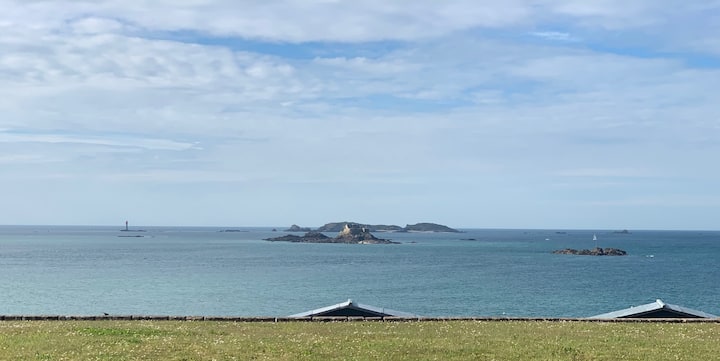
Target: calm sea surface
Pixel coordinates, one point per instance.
(201, 271)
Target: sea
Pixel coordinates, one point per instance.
(216, 271)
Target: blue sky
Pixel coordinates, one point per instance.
(515, 114)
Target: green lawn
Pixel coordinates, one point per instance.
(450, 340)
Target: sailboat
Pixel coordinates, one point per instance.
(595, 240)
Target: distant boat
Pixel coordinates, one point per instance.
(595, 240)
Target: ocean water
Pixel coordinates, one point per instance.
(201, 271)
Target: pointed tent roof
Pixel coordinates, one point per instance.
(657, 309)
(352, 309)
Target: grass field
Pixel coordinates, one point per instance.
(451, 340)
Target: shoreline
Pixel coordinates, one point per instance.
(261, 319)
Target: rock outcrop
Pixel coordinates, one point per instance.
(429, 227)
(309, 237)
(419, 227)
(597, 251)
(351, 234)
(296, 228)
(339, 226)
(355, 234)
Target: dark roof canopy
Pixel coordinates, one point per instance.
(657, 309)
(352, 309)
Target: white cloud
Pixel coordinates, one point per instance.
(464, 109)
(298, 21)
(365, 65)
(118, 83)
(610, 9)
(94, 25)
(554, 35)
(21, 159)
(111, 141)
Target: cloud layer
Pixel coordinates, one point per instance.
(408, 111)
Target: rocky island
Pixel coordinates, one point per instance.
(352, 233)
(597, 251)
(309, 237)
(296, 228)
(340, 226)
(428, 227)
(419, 227)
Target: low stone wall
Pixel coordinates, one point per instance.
(340, 319)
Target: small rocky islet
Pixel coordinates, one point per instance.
(296, 228)
(597, 251)
(352, 233)
(339, 226)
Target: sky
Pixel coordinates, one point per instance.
(547, 114)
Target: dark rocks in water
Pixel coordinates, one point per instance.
(429, 227)
(384, 228)
(597, 251)
(624, 231)
(419, 227)
(339, 226)
(309, 237)
(334, 227)
(355, 234)
(351, 234)
(296, 228)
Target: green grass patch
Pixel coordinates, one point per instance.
(451, 340)
(121, 332)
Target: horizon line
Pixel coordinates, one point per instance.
(458, 227)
